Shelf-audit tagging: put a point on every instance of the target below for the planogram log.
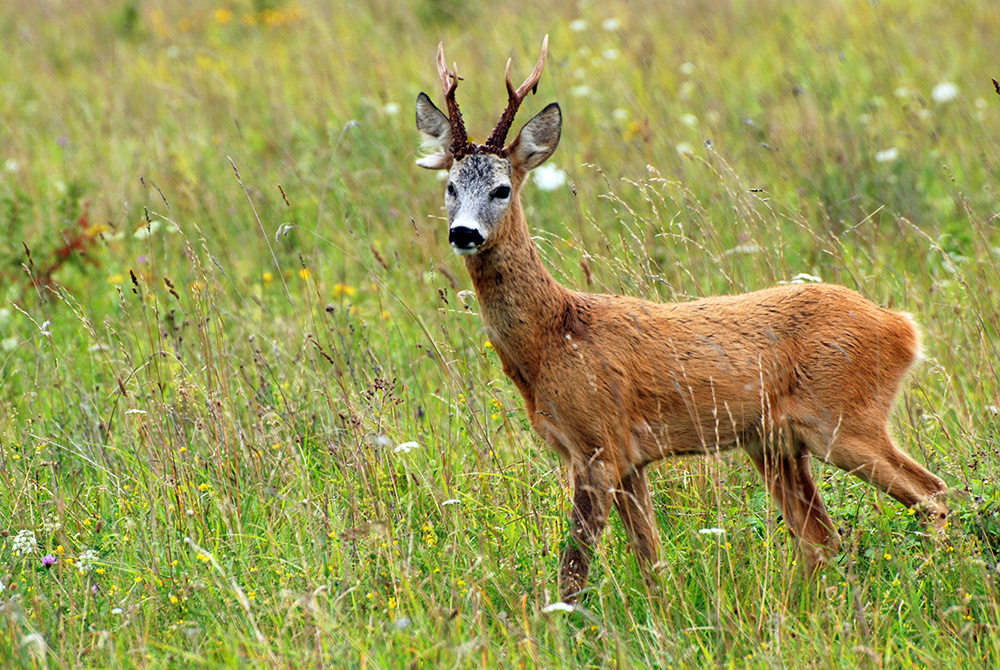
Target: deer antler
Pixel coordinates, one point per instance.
(460, 145)
(495, 144)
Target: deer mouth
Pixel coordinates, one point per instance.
(465, 240)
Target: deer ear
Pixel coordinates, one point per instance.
(435, 135)
(537, 140)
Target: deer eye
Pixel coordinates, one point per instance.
(452, 191)
(500, 192)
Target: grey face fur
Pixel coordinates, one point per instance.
(477, 197)
(480, 187)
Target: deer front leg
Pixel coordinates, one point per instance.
(587, 521)
(635, 508)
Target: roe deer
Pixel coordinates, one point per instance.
(614, 383)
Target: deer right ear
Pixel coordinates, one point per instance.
(435, 135)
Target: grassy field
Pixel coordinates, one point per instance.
(248, 412)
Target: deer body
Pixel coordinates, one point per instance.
(614, 383)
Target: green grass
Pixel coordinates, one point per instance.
(227, 297)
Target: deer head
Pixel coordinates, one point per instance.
(484, 180)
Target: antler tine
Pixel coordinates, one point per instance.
(449, 82)
(514, 99)
(531, 83)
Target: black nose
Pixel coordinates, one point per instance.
(465, 238)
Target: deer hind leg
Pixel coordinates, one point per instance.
(631, 498)
(873, 456)
(587, 522)
(792, 487)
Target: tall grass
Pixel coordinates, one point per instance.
(250, 411)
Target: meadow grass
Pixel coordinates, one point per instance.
(249, 415)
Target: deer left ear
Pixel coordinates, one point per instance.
(435, 135)
(537, 140)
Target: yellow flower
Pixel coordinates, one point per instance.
(174, 599)
(204, 487)
(340, 290)
(116, 279)
(487, 344)
(138, 579)
(205, 558)
(223, 16)
(305, 273)
(267, 277)
(392, 602)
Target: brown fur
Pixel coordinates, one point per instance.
(616, 383)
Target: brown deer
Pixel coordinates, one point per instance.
(614, 383)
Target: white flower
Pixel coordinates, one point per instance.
(993, 409)
(611, 25)
(578, 26)
(406, 447)
(887, 155)
(689, 120)
(135, 411)
(24, 543)
(749, 248)
(944, 92)
(391, 108)
(549, 177)
(903, 92)
(4, 315)
(611, 54)
(620, 115)
(580, 91)
(450, 501)
(864, 119)
(803, 278)
(85, 561)
(382, 440)
(684, 149)
(8, 344)
(687, 69)
(11, 165)
(711, 531)
(558, 607)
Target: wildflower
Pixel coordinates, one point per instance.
(267, 277)
(887, 155)
(25, 543)
(341, 290)
(203, 557)
(620, 114)
(610, 54)
(687, 69)
(611, 25)
(944, 92)
(305, 273)
(689, 120)
(487, 344)
(451, 501)
(684, 149)
(174, 599)
(391, 108)
(578, 26)
(204, 486)
(558, 607)
(549, 177)
(887, 556)
(392, 603)
(405, 447)
(711, 531)
(580, 91)
(223, 16)
(8, 344)
(86, 560)
(116, 279)
(48, 560)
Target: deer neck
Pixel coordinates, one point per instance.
(519, 300)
